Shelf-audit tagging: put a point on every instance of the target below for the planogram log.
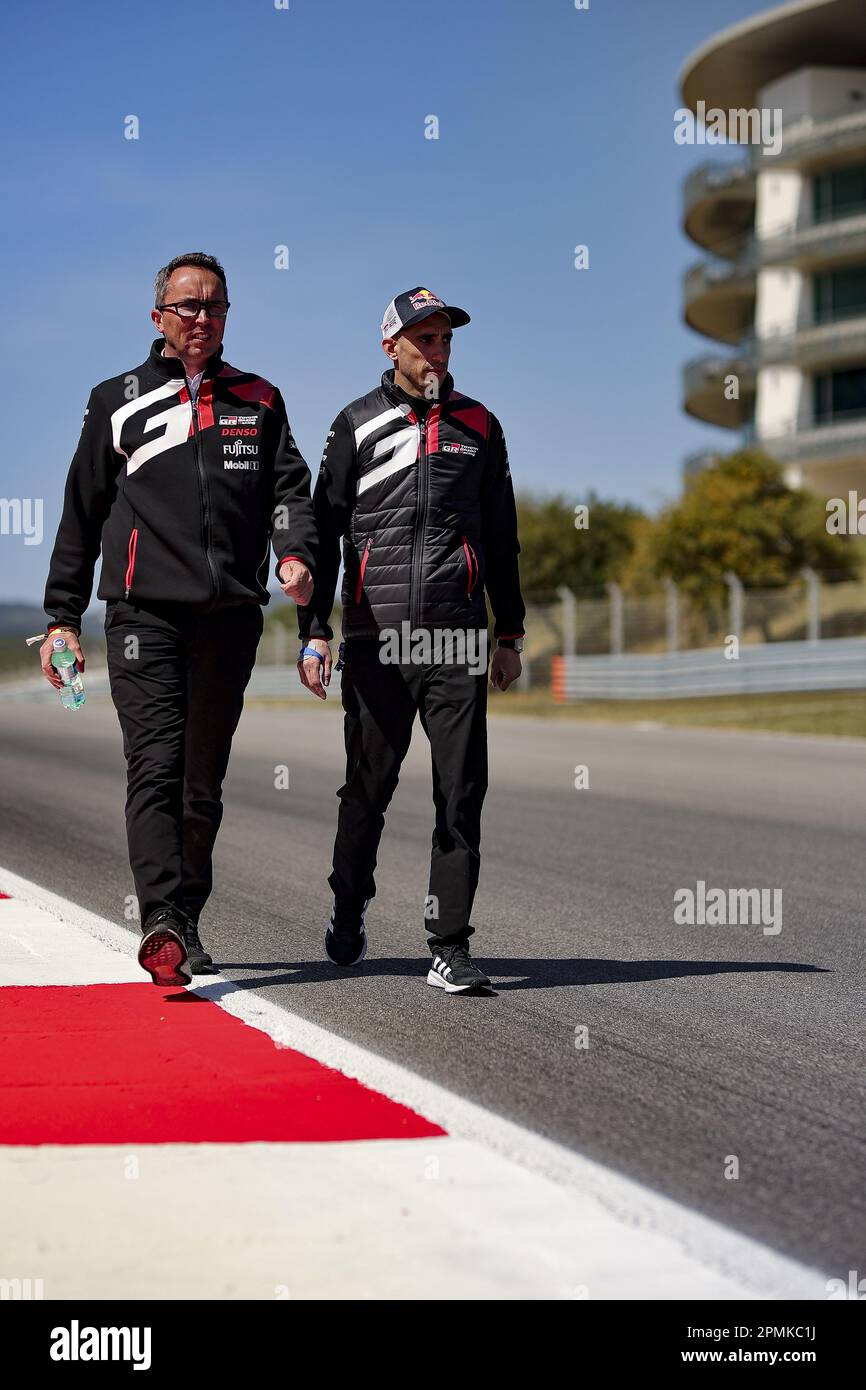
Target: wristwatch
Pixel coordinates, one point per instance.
(514, 644)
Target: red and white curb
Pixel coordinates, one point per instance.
(206, 1143)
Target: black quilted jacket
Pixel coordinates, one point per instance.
(424, 504)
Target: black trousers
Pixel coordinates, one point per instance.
(380, 703)
(177, 681)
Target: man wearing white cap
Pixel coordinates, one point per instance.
(415, 481)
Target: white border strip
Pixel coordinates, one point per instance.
(760, 1270)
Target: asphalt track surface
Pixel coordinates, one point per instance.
(704, 1042)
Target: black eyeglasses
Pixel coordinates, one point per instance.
(191, 308)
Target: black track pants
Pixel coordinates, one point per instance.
(380, 703)
(177, 680)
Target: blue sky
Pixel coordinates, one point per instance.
(305, 127)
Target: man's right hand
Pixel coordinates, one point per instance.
(47, 648)
(315, 674)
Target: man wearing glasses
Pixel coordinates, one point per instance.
(185, 474)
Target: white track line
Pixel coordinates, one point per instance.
(681, 1253)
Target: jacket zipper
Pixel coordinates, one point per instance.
(205, 498)
(364, 557)
(131, 550)
(420, 521)
(471, 566)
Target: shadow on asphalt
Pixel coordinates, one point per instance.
(506, 973)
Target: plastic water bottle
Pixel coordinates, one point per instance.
(63, 660)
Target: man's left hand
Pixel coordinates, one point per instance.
(504, 668)
(296, 581)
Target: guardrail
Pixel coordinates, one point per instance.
(27, 689)
(283, 682)
(267, 682)
(828, 664)
(834, 664)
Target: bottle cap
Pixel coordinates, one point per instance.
(58, 643)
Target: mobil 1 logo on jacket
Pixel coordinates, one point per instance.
(239, 442)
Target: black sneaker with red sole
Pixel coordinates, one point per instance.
(163, 952)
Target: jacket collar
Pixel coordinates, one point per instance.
(399, 396)
(172, 366)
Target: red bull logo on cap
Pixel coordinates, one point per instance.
(423, 299)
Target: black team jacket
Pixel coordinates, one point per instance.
(184, 500)
(420, 493)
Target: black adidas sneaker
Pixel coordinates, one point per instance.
(345, 936)
(454, 970)
(162, 952)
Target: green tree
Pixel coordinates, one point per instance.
(554, 550)
(740, 515)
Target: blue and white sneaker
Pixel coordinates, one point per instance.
(454, 970)
(345, 936)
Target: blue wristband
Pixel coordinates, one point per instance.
(311, 651)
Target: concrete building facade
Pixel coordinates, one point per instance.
(783, 287)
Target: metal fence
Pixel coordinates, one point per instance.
(782, 666)
(580, 627)
(667, 620)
